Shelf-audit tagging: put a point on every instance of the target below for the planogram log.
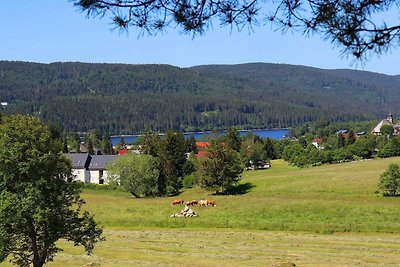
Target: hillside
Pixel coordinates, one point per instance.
(131, 98)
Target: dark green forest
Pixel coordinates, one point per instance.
(126, 99)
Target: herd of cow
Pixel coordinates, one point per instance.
(202, 202)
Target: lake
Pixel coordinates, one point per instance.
(274, 134)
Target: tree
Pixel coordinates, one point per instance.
(340, 141)
(65, 143)
(191, 144)
(38, 206)
(106, 145)
(74, 142)
(172, 158)
(253, 154)
(121, 144)
(90, 148)
(269, 149)
(302, 141)
(353, 25)
(171, 153)
(387, 130)
(137, 174)
(351, 139)
(233, 139)
(391, 149)
(390, 180)
(150, 143)
(221, 169)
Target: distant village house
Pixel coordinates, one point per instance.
(387, 121)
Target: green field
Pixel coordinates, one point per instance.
(322, 216)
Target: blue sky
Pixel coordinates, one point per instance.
(54, 30)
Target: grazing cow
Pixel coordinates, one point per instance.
(192, 203)
(202, 202)
(178, 202)
(211, 202)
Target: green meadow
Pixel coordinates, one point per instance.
(321, 216)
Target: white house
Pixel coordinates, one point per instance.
(387, 121)
(90, 168)
(98, 168)
(80, 163)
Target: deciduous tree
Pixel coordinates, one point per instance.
(137, 174)
(38, 206)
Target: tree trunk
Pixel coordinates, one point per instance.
(36, 258)
(37, 262)
(135, 195)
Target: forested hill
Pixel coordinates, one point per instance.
(131, 98)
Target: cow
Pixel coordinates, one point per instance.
(192, 203)
(177, 202)
(202, 202)
(211, 202)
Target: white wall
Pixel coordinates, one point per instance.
(94, 177)
(80, 175)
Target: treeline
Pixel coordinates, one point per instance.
(123, 99)
(169, 164)
(341, 142)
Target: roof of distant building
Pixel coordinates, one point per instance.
(317, 140)
(79, 160)
(99, 162)
(202, 144)
(343, 131)
(122, 152)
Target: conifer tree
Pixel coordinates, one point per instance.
(106, 145)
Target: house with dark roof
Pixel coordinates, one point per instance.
(98, 168)
(80, 163)
(90, 168)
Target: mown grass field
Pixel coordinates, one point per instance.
(322, 216)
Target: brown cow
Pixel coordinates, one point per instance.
(178, 202)
(192, 203)
(211, 202)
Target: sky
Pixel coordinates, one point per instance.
(48, 31)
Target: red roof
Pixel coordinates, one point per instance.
(122, 152)
(202, 144)
(317, 140)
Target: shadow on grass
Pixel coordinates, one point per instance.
(239, 189)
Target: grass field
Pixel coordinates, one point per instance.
(322, 216)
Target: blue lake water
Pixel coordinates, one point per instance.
(274, 134)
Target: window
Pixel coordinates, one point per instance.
(101, 174)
